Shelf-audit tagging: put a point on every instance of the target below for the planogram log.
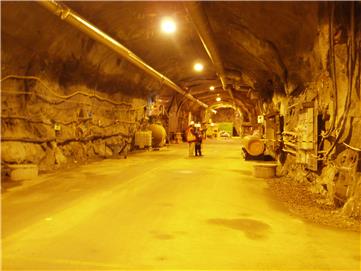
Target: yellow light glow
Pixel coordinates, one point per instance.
(198, 67)
(168, 25)
(218, 99)
(211, 88)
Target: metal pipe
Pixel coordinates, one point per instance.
(202, 26)
(74, 19)
(290, 151)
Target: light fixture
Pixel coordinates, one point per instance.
(198, 67)
(218, 99)
(211, 88)
(168, 25)
(214, 111)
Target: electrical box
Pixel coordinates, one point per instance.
(300, 137)
(306, 129)
(57, 127)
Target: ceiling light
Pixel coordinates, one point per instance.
(168, 25)
(211, 88)
(218, 99)
(198, 67)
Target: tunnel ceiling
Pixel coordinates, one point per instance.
(265, 47)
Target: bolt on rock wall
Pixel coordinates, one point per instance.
(44, 126)
(322, 120)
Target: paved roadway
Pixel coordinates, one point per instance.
(162, 210)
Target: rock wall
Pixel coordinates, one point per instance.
(322, 119)
(66, 98)
(43, 125)
(51, 126)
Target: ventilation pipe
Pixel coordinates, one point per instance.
(74, 19)
(202, 26)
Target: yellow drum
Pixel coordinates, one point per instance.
(254, 145)
(158, 135)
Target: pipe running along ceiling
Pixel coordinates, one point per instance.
(249, 50)
(76, 20)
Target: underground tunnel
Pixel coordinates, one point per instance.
(180, 135)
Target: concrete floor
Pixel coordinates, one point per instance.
(163, 210)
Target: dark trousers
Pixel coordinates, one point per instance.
(198, 148)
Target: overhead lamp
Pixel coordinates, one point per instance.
(211, 88)
(168, 25)
(218, 99)
(198, 67)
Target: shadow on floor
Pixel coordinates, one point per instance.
(162, 236)
(253, 229)
(7, 184)
(243, 172)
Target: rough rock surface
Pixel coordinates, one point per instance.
(298, 198)
(18, 152)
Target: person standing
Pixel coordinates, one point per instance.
(191, 139)
(198, 144)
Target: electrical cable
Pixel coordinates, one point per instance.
(48, 98)
(65, 123)
(351, 147)
(62, 141)
(333, 72)
(65, 97)
(344, 117)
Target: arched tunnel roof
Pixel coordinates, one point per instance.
(263, 47)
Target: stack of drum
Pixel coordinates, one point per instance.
(143, 139)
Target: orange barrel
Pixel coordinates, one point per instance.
(254, 145)
(158, 135)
